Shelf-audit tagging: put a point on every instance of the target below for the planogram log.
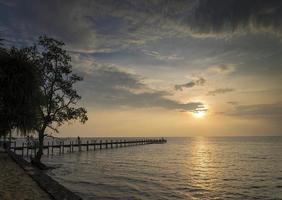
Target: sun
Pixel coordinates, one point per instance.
(199, 114)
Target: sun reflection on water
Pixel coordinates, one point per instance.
(203, 168)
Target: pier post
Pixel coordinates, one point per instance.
(34, 148)
(106, 144)
(60, 147)
(100, 144)
(48, 148)
(22, 149)
(63, 147)
(94, 145)
(111, 144)
(79, 145)
(15, 144)
(27, 149)
(87, 143)
(52, 147)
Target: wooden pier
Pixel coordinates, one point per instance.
(52, 148)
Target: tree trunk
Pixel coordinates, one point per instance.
(10, 138)
(37, 159)
(39, 153)
(4, 143)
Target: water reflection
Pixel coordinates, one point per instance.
(184, 168)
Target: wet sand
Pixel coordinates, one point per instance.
(16, 184)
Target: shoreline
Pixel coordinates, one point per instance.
(46, 186)
(16, 183)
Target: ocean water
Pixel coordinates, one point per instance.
(183, 168)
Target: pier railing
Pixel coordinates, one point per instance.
(52, 148)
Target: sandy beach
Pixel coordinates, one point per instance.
(16, 184)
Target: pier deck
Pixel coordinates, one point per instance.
(62, 147)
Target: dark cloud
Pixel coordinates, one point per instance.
(220, 91)
(231, 16)
(108, 86)
(103, 26)
(60, 19)
(258, 110)
(223, 68)
(89, 25)
(198, 82)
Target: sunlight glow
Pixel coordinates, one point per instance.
(199, 114)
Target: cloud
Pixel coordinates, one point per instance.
(220, 91)
(105, 26)
(60, 19)
(258, 110)
(6, 3)
(237, 16)
(108, 86)
(199, 82)
(223, 68)
(159, 56)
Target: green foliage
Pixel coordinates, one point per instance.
(36, 89)
(59, 96)
(19, 91)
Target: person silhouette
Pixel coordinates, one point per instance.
(78, 142)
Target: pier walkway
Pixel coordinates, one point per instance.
(61, 147)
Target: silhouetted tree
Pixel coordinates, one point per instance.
(19, 91)
(3, 128)
(59, 96)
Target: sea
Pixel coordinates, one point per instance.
(183, 168)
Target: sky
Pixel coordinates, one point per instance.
(164, 67)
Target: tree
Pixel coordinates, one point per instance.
(19, 92)
(59, 96)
